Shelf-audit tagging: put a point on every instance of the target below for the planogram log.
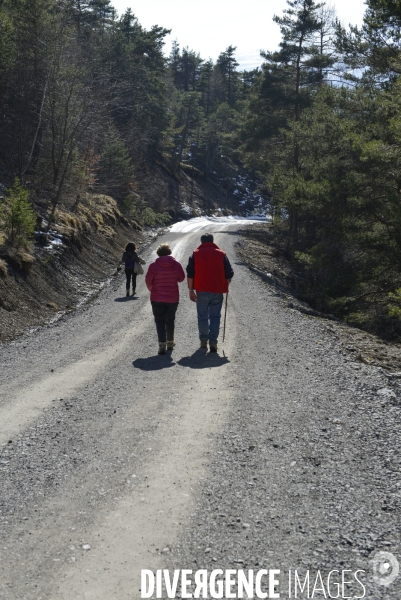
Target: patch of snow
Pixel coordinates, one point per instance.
(55, 241)
(185, 208)
(198, 223)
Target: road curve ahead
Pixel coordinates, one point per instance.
(268, 455)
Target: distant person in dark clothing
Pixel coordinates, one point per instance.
(208, 274)
(162, 280)
(132, 262)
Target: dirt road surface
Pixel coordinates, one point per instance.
(276, 453)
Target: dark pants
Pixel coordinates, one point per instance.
(130, 273)
(164, 313)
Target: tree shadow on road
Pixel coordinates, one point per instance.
(154, 363)
(202, 360)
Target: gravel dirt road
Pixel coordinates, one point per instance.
(276, 453)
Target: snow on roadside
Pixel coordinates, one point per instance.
(198, 223)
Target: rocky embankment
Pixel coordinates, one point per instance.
(64, 266)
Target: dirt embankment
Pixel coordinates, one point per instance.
(263, 257)
(65, 268)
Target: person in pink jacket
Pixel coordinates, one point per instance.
(162, 280)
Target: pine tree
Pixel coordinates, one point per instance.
(372, 52)
(227, 64)
(184, 67)
(282, 91)
(17, 215)
(128, 25)
(298, 25)
(102, 13)
(115, 169)
(174, 62)
(30, 26)
(190, 62)
(205, 85)
(188, 125)
(79, 12)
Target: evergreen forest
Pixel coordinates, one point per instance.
(90, 102)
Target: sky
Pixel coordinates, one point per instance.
(210, 26)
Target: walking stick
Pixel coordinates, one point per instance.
(225, 317)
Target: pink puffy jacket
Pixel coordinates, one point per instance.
(162, 279)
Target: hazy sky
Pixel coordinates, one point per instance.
(210, 26)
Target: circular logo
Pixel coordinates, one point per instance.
(385, 568)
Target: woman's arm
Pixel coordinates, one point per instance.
(140, 259)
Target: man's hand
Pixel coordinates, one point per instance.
(192, 295)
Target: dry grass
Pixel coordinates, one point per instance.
(107, 231)
(99, 221)
(105, 207)
(69, 223)
(96, 211)
(52, 306)
(19, 259)
(3, 268)
(26, 260)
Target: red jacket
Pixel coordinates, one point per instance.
(162, 279)
(209, 269)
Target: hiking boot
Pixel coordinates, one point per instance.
(170, 344)
(127, 294)
(203, 344)
(213, 346)
(133, 293)
(162, 348)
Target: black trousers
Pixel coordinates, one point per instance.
(164, 313)
(130, 273)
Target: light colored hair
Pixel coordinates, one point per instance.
(163, 250)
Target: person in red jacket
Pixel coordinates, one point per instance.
(208, 274)
(162, 280)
